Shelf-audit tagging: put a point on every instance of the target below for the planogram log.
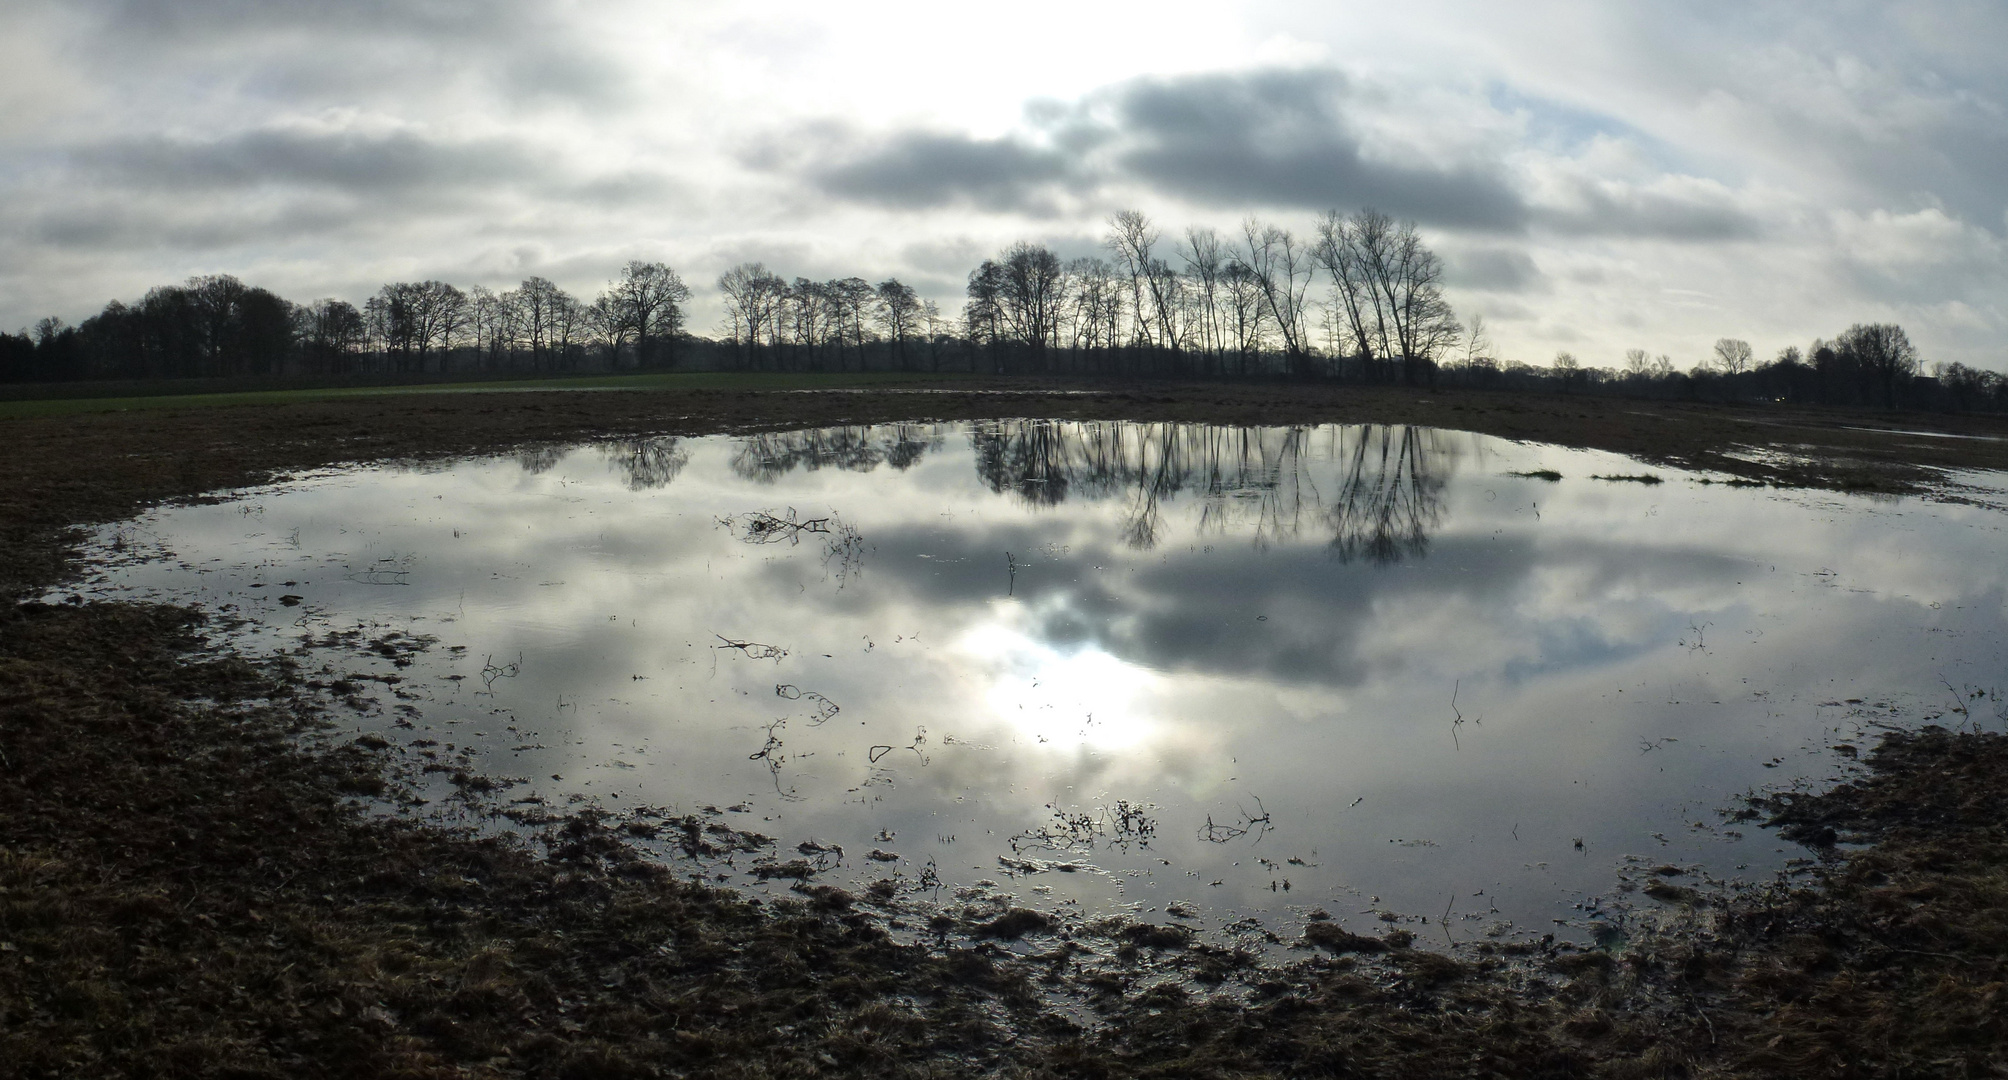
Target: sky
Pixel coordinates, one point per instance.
(1596, 176)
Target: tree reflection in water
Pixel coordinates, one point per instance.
(1380, 505)
(859, 448)
(649, 463)
(1386, 498)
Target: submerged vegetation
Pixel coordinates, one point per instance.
(193, 882)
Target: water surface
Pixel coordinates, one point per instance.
(1132, 667)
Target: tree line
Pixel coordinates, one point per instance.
(1204, 304)
(1355, 298)
(219, 327)
(1870, 365)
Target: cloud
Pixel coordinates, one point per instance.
(1494, 269)
(376, 49)
(1269, 138)
(1672, 208)
(355, 162)
(923, 170)
(1283, 139)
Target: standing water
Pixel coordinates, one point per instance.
(1160, 669)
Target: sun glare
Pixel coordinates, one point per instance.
(1064, 699)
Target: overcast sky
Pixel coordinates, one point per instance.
(1598, 175)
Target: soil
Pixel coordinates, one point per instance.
(194, 880)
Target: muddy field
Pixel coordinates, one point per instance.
(188, 886)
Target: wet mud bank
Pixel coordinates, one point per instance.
(192, 882)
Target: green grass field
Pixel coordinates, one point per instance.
(701, 380)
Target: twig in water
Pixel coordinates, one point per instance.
(491, 671)
(825, 708)
(752, 649)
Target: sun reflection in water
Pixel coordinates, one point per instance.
(1064, 698)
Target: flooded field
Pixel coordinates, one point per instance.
(1189, 673)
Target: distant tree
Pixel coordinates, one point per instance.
(983, 311)
(1477, 344)
(1732, 356)
(332, 335)
(649, 299)
(1638, 363)
(1280, 267)
(1882, 353)
(534, 307)
(1129, 240)
(1206, 261)
(571, 326)
(1389, 287)
(610, 328)
(17, 358)
(1567, 369)
(1030, 293)
(849, 301)
(937, 331)
(1244, 320)
(897, 313)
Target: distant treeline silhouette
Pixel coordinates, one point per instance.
(1357, 299)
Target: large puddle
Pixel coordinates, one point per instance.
(1161, 669)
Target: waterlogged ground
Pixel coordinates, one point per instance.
(1197, 674)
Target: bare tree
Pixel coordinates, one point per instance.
(1389, 286)
(610, 327)
(849, 300)
(1638, 363)
(754, 299)
(1477, 344)
(1567, 369)
(1205, 260)
(1095, 304)
(1732, 355)
(983, 312)
(332, 333)
(937, 330)
(649, 297)
(1243, 322)
(571, 322)
(1882, 352)
(1280, 267)
(897, 313)
(1031, 289)
(535, 304)
(1130, 239)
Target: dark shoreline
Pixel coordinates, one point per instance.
(186, 892)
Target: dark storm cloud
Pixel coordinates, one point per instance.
(1494, 269)
(925, 169)
(1280, 138)
(122, 223)
(524, 51)
(1629, 212)
(364, 164)
(1265, 138)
